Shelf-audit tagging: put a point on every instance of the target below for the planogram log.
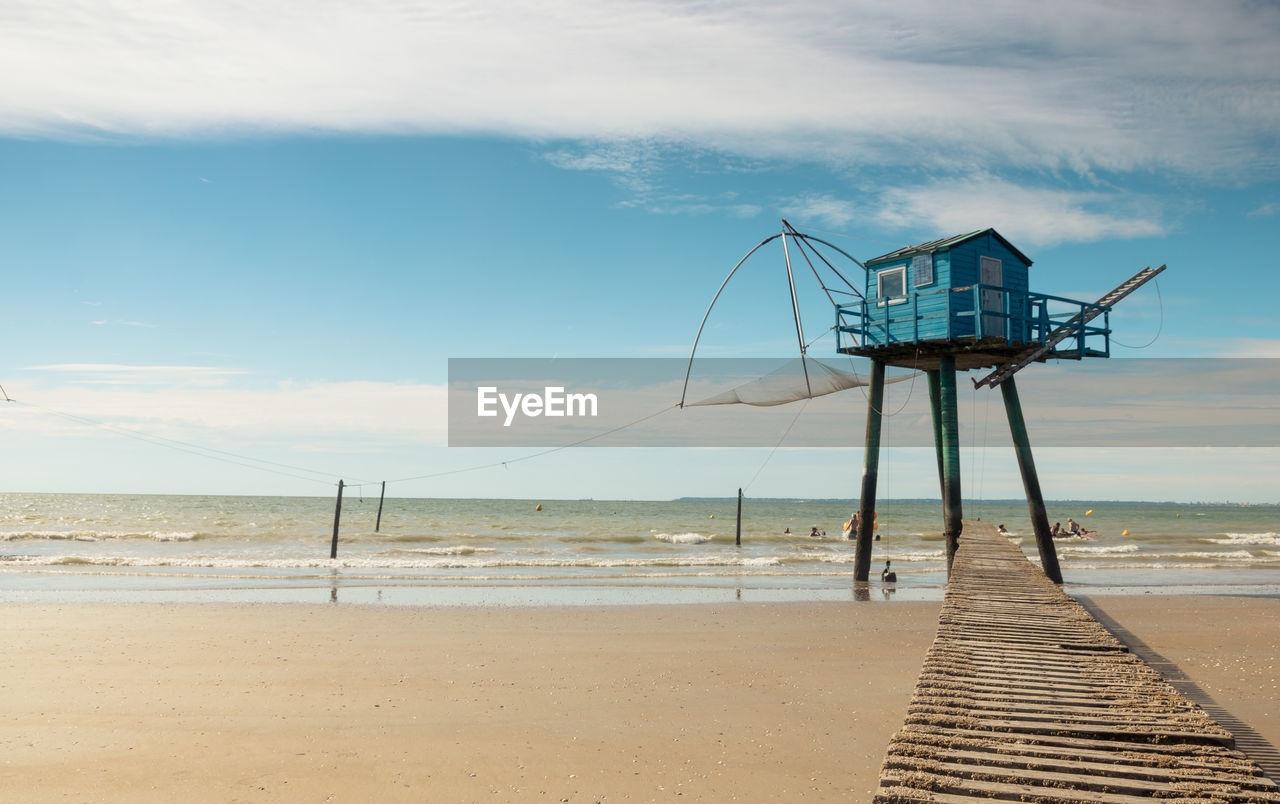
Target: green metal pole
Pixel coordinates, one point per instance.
(952, 509)
(1030, 481)
(935, 407)
(870, 471)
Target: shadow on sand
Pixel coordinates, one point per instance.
(1247, 740)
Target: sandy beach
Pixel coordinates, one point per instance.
(1222, 652)
(311, 703)
(752, 701)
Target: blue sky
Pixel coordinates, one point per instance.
(265, 230)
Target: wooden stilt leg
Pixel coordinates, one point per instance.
(870, 470)
(1030, 481)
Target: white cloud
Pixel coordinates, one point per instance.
(820, 208)
(1037, 216)
(119, 374)
(627, 158)
(692, 205)
(1267, 210)
(1094, 86)
(1245, 347)
(101, 322)
(363, 412)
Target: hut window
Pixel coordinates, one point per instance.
(893, 282)
(922, 270)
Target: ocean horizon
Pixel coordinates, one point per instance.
(475, 551)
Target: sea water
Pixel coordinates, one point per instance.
(65, 547)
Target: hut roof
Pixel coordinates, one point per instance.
(944, 244)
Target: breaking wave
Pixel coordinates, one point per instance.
(683, 538)
(98, 535)
(1245, 539)
(1113, 550)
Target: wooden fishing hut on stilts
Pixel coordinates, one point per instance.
(963, 303)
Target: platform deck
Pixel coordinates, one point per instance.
(1024, 696)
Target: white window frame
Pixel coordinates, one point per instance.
(901, 270)
(915, 275)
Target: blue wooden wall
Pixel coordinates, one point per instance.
(924, 315)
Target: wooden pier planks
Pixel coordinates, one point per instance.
(1025, 697)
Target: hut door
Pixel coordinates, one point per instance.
(990, 273)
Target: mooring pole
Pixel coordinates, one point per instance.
(1030, 481)
(381, 497)
(738, 538)
(337, 516)
(935, 407)
(870, 470)
(952, 509)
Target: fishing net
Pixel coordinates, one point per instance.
(798, 378)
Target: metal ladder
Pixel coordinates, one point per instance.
(1068, 329)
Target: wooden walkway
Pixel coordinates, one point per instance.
(1025, 697)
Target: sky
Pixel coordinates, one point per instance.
(241, 244)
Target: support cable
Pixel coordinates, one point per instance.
(548, 451)
(795, 311)
(689, 369)
(910, 389)
(805, 248)
(187, 447)
(781, 438)
(1159, 327)
(804, 252)
(973, 442)
(799, 237)
(847, 235)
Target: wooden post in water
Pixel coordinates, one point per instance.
(952, 508)
(870, 471)
(337, 516)
(1030, 481)
(738, 537)
(381, 497)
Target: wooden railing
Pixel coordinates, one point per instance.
(1022, 318)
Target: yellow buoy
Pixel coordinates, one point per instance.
(1179, 516)
(1089, 512)
(713, 516)
(538, 507)
(1124, 533)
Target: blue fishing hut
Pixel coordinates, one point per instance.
(967, 295)
(958, 304)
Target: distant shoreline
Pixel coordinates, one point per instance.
(936, 501)
(747, 498)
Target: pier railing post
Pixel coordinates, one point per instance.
(1030, 481)
(952, 508)
(337, 517)
(377, 525)
(870, 471)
